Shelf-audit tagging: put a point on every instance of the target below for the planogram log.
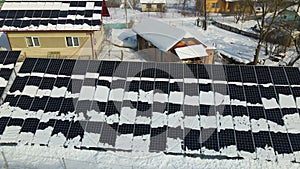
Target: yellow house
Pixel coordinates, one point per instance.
(226, 6)
(59, 29)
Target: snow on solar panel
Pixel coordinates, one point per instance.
(155, 107)
(43, 15)
(8, 61)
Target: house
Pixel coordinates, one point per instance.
(50, 28)
(226, 6)
(169, 43)
(153, 5)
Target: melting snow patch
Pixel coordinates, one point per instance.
(127, 115)
(158, 120)
(116, 94)
(176, 97)
(207, 98)
(124, 141)
(242, 123)
(101, 93)
(90, 139)
(30, 90)
(292, 122)
(191, 122)
(270, 104)
(174, 145)
(175, 119)
(87, 93)
(10, 134)
(286, 101)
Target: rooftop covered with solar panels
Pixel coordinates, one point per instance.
(50, 15)
(228, 111)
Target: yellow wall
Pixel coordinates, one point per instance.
(221, 6)
(224, 7)
(52, 42)
(153, 8)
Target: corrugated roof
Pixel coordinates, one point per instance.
(50, 15)
(160, 34)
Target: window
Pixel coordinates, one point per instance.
(148, 6)
(32, 41)
(72, 41)
(159, 6)
(214, 5)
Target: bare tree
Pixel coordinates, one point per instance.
(270, 10)
(239, 11)
(292, 28)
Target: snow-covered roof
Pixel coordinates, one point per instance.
(189, 52)
(160, 34)
(153, 1)
(294, 8)
(50, 15)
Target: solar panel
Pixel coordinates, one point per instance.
(155, 107)
(8, 61)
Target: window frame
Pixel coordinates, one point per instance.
(72, 41)
(215, 5)
(33, 42)
(149, 6)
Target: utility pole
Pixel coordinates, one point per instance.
(205, 16)
(125, 6)
(5, 161)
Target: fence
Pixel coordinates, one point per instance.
(235, 30)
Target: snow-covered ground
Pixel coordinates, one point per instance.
(23, 157)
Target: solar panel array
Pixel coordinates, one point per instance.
(8, 60)
(51, 15)
(209, 110)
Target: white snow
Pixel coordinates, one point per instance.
(161, 97)
(58, 92)
(191, 122)
(175, 119)
(30, 90)
(87, 93)
(57, 140)
(42, 136)
(242, 123)
(90, 139)
(3, 82)
(116, 94)
(124, 141)
(286, 101)
(174, 145)
(207, 98)
(225, 122)
(146, 96)
(259, 125)
(10, 134)
(127, 115)
(133, 96)
(291, 122)
(101, 93)
(141, 143)
(96, 116)
(208, 122)
(270, 103)
(191, 100)
(158, 119)
(176, 97)
(193, 51)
